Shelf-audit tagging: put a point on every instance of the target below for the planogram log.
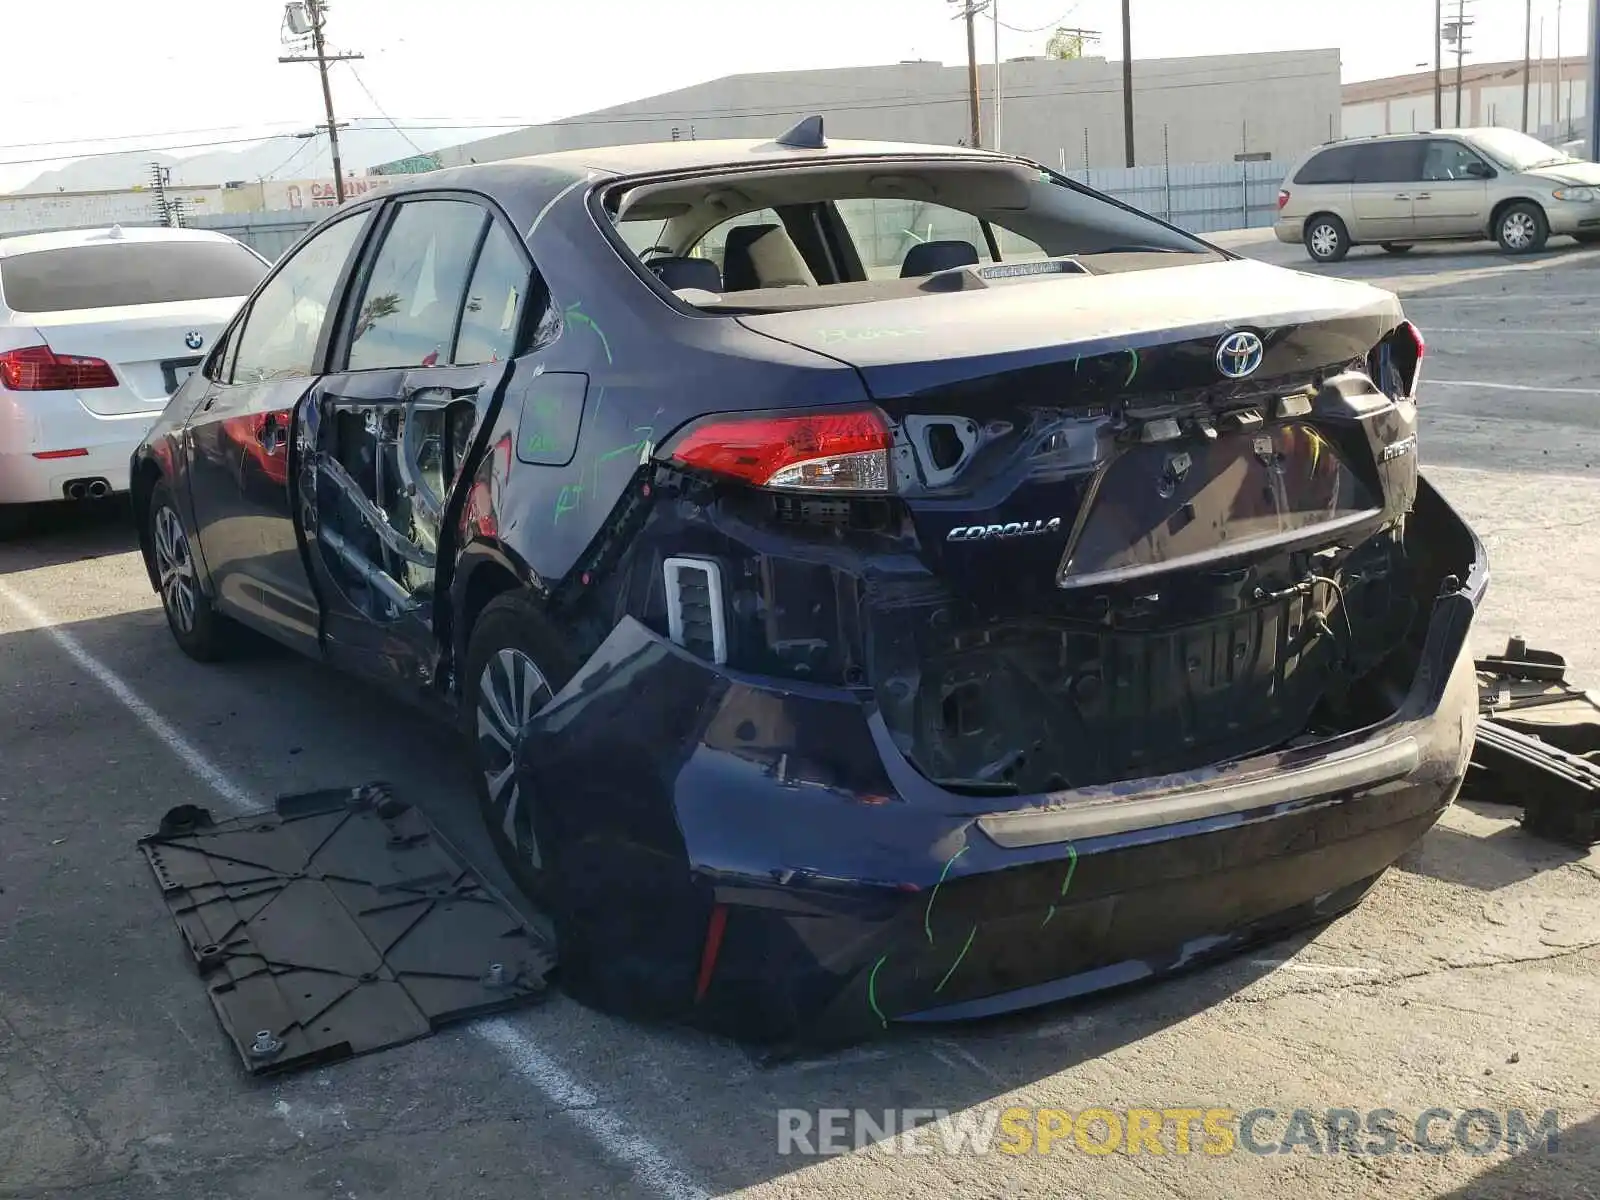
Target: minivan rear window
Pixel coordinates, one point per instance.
(112, 275)
(1331, 166)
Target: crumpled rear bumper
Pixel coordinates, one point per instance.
(755, 856)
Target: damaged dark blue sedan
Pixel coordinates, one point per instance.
(877, 583)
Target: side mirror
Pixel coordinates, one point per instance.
(1480, 170)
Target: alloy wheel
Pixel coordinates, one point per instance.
(1518, 230)
(174, 568)
(1324, 240)
(511, 691)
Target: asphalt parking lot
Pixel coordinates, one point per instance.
(1469, 979)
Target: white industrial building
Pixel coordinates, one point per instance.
(1065, 113)
(1490, 94)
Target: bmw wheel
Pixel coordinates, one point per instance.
(513, 668)
(201, 632)
(1522, 228)
(1327, 240)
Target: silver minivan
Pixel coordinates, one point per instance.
(1448, 185)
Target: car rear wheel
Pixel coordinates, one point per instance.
(1522, 228)
(514, 667)
(1397, 247)
(1327, 240)
(201, 632)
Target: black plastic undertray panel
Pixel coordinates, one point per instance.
(340, 924)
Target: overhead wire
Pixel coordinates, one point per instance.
(877, 104)
(362, 83)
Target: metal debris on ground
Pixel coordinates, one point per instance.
(1538, 745)
(339, 924)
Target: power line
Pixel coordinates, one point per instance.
(887, 102)
(1049, 25)
(363, 85)
(294, 154)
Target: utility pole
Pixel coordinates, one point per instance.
(1527, 63)
(1558, 69)
(969, 13)
(1127, 82)
(1439, 63)
(311, 16)
(1455, 32)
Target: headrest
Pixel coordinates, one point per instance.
(738, 267)
(927, 257)
(681, 273)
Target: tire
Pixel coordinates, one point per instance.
(1398, 247)
(201, 632)
(514, 665)
(1326, 238)
(1521, 228)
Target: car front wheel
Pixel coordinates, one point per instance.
(1522, 228)
(201, 632)
(1327, 240)
(514, 666)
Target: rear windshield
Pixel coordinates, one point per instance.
(113, 275)
(817, 235)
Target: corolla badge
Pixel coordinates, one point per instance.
(1239, 354)
(1011, 529)
(194, 339)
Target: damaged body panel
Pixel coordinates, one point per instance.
(847, 632)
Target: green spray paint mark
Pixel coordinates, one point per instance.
(576, 314)
(1072, 867)
(633, 448)
(1133, 369)
(927, 917)
(872, 991)
(957, 962)
(567, 500)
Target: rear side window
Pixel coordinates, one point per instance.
(495, 299)
(1331, 166)
(1389, 162)
(114, 275)
(407, 312)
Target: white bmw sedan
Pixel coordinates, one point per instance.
(98, 327)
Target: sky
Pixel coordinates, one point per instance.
(192, 73)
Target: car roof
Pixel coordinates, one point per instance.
(27, 243)
(652, 158)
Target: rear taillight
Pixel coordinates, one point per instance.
(808, 452)
(1283, 197)
(41, 369)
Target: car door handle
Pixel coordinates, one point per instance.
(1402, 196)
(1424, 195)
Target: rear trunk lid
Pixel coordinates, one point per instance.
(151, 347)
(1126, 559)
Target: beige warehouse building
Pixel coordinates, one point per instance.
(1060, 112)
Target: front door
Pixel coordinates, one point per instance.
(1382, 195)
(415, 377)
(241, 440)
(1452, 201)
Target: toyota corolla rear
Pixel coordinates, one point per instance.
(1110, 629)
(97, 330)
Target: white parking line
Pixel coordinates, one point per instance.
(651, 1166)
(1510, 387)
